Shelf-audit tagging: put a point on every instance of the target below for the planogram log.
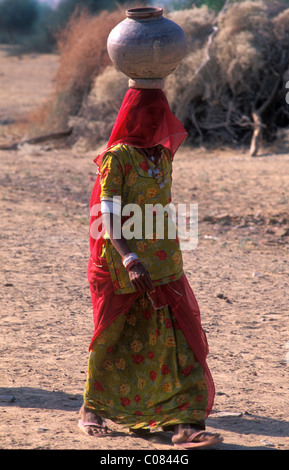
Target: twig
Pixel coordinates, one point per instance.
(195, 122)
(211, 36)
(208, 58)
(220, 124)
(222, 11)
(37, 140)
(258, 125)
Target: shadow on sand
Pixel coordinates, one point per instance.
(26, 397)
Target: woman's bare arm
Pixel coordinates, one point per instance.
(138, 275)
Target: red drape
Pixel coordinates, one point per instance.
(146, 120)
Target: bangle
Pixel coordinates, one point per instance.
(132, 263)
(127, 259)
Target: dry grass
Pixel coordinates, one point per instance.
(93, 125)
(83, 55)
(249, 55)
(197, 24)
(82, 46)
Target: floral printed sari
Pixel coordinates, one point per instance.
(147, 362)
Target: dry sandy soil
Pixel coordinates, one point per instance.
(239, 272)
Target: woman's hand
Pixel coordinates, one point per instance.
(140, 278)
(138, 275)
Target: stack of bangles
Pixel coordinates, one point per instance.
(130, 260)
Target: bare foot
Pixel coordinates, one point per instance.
(91, 423)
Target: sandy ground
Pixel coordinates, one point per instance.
(239, 272)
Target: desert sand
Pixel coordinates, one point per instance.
(239, 272)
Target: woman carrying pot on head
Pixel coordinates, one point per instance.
(147, 361)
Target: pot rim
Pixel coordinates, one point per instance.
(149, 12)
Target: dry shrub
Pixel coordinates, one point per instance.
(240, 46)
(197, 24)
(93, 124)
(83, 55)
(241, 83)
(281, 30)
(244, 16)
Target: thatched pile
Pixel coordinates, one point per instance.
(234, 87)
(229, 87)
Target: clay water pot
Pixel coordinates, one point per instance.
(146, 47)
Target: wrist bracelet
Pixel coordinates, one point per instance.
(129, 258)
(132, 263)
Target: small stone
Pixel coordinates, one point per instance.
(267, 444)
(228, 414)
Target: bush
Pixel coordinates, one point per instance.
(93, 125)
(241, 86)
(83, 55)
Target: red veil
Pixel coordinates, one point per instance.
(145, 120)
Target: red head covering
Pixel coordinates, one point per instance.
(145, 120)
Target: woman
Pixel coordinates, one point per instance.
(147, 361)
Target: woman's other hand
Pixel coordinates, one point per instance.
(140, 278)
